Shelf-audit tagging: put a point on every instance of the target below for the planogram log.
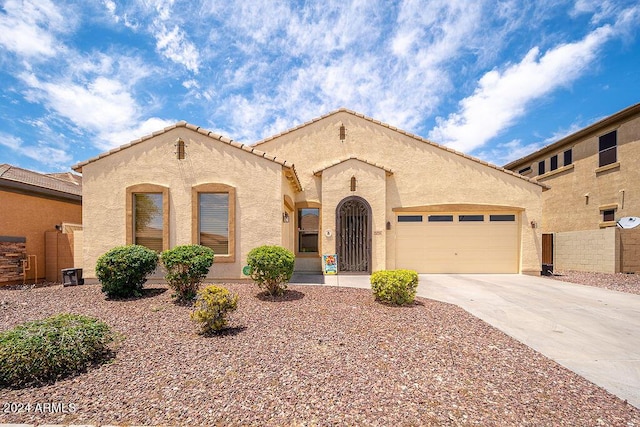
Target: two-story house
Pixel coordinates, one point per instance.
(595, 181)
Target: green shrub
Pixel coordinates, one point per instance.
(124, 269)
(44, 350)
(186, 267)
(211, 308)
(271, 268)
(395, 286)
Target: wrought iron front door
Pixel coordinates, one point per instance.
(353, 242)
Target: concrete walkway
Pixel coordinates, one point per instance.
(592, 331)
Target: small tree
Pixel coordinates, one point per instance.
(186, 267)
(211, 308)
(124, 269)
(271, 268)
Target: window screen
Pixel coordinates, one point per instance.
(409, 218)
(609, 215)
(554, 162)
(471, 218)
(568, 157)
(308, 225)
(608, 148)
(440, 218)
(502, 218)
(541, 169)
(214, 221)
(148, 220)
(524, 170)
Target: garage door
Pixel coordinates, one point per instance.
(458, 242)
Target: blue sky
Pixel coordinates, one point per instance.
(494, 79)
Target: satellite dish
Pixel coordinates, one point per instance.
(629, 222)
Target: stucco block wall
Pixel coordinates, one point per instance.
(422, 174)
(31, 216)
(588, 250)
(257, 182)
(370, 185)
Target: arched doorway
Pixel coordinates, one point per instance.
(353, 235)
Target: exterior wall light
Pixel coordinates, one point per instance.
(285, 217)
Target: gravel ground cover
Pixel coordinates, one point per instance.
(621, 282)
(321, 356)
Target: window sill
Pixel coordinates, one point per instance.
(608, 224)
(556, 172)
(607, 167)
(308, 255)
(223, 259)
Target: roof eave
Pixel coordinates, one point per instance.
(600, 124)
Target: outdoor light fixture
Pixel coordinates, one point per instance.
(534, 224)
(285, 217)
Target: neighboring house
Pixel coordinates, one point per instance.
(378, 197)
(595, 181)
(37, 211)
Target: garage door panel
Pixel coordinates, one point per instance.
(458, 247)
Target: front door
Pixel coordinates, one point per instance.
(353, 235)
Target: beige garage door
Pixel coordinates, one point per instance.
(458, 242)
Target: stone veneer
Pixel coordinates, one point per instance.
(12, 251)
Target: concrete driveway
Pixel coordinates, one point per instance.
(592, 331)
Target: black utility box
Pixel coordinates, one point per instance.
(72, 277)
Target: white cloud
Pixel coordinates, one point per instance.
(174, 45)
(29, 28)
(111, 138)
(47, 155)
(502, 97)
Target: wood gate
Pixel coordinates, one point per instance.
(353, 235)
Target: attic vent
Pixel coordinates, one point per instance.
(353, 183)
(343, 132)
(179, 149)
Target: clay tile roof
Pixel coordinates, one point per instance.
(69, 186)
(319, 171)
(209, 134)
(410, 135)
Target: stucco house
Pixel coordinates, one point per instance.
(344, 183)
(594, 181)
(38, 214)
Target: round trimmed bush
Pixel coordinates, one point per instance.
(213, 303)
(44, 350)
(186, 266)
(124, 269)
(395, 286)
(271, 268)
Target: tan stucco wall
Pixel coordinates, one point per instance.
(588, 250)
(422, 175)
(580, 192)
(258, 183)
(371, 186)
(31, 216)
